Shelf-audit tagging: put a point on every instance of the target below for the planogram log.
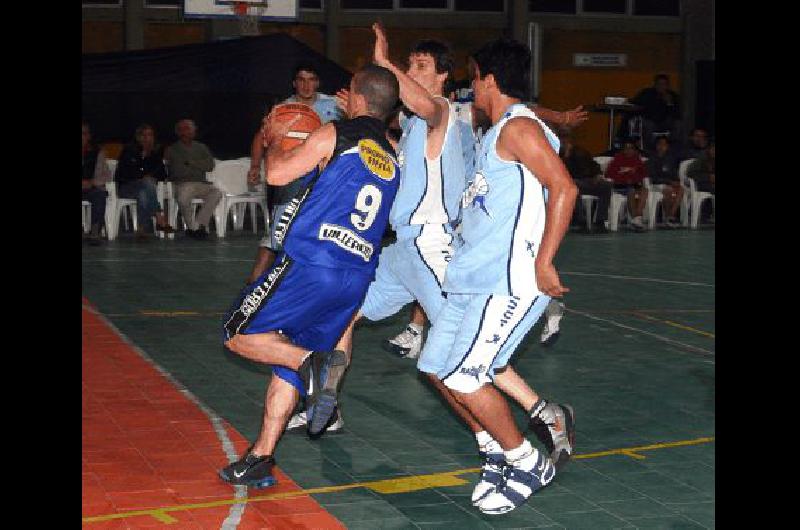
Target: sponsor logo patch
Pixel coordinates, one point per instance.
(346, 239)
(376, 159)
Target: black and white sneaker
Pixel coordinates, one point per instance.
(491, 474)
(322, 372)
(553, 313)
(298, 424)
(521, 479)
(554, 426)
(408, 343)
(250, 470)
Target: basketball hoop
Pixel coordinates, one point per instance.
(249, 15)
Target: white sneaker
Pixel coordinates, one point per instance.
(553, 315)
(637, 223)
(299, 422)
(521, 479)
(407, 344)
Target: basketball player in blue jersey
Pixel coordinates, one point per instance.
(501, 276)
(293, 315)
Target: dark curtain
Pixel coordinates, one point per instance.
(224, 86)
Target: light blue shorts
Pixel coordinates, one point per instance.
(410, 269)
(268, 240)
(475, 334)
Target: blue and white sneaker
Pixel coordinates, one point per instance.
(327, 370)
(250, 470)
(491, 474)
(521, 479)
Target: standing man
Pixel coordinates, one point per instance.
(188, 162)
(305, 82)
(295, 313)
(502, 277)
(660, 110)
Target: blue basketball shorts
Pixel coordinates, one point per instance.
(410, 269)
(476, 334)
(310, 305)
(269, 241)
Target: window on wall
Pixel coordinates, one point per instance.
(311, 4)
(367, 4)
(480, 5)
(552, 6)
(664, 8)
(605, 6)
(423, 4)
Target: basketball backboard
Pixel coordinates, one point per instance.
(278, 10)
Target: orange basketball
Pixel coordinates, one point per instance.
(309, 122)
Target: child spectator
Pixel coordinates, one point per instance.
(662, 167)
(627, 171)
(95, 175)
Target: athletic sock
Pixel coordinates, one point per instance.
(523, 456)
(486, 443)
(415, 327)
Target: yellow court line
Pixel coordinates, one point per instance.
(675, 324)
(386, 486)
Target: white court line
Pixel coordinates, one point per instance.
(654, 335)
(236, 510)
(637, 278)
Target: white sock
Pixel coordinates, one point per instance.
(518, 456)
(415, 327)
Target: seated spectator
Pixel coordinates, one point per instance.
(662, 168)
(140, 166)
(627, 171)
(188, 161)
(95, 176)
(697, 144)
(587, 176)
(660, 110)
(703, 170)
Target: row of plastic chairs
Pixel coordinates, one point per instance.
(689, 209)
(230, 176)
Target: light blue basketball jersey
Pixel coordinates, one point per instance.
(324, 106)
(503, 216)
(430, 189)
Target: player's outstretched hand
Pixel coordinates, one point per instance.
(548, 281)
(342, 97)
(252, 175)
(575, 116)
(381, 53)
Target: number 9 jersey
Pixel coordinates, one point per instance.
(340, 215)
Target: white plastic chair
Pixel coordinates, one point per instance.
(86, 216)
(683, 168)
(697, 200)
(654, 198)
(230, 176)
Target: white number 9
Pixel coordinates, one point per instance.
(368, 202)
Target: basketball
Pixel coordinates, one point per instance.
(307, 123)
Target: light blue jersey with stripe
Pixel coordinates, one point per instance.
(503, 216)
(324, 106)
(430, 189)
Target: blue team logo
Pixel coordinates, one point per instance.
(475, 194)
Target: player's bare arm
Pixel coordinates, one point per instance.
(413, 95)
(256, 154)
(570, 118)
(523, 140)
(283, 167)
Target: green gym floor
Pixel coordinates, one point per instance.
(636, 359)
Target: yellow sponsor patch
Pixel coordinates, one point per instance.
(376, 159)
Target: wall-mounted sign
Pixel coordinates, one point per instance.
(600, 60)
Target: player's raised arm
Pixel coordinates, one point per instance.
(283, 167)
(413, 95)
(570, 118)
(524, 140)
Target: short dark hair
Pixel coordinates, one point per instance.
(380, 88)
(509, 61)
(663, 137)
(442, 57)
(306, 66)
(665, 77)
